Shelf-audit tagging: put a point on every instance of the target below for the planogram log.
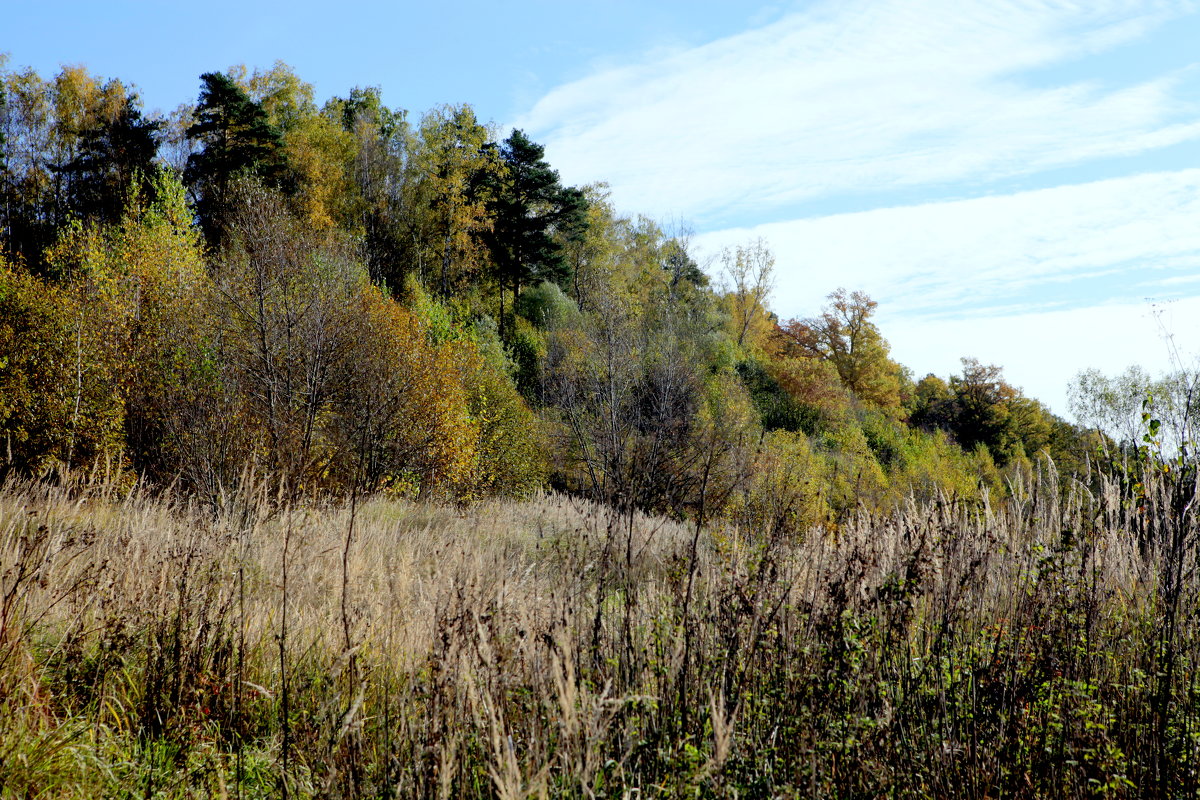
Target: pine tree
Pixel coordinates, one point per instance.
(532, 216)
(237, 139)
(112, 155)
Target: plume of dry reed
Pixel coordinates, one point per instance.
(1043, 646)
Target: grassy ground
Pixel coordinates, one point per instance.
(1044, 646)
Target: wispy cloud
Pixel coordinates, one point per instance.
(1042, 351)
(862, 97)
(1045, 283)
(1114, 240)
(944, 129)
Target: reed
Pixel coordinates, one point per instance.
(1044, 646)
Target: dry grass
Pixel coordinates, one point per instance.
(1043, 646)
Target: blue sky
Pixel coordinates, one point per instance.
(1014, 181)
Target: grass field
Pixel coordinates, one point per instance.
(1044, 646)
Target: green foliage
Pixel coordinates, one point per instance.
(919, 463)
(437, 319)
(71, 145)
(284, 97)
(508, 455)
(58, 404)
(931, 404)
(526, 349)
(273, 353)
(786, 491)
(236, 140)
(853, 475)
(546, 306)
(1114, 406)
(116, 155)
(532, 213)
(400, 419)
(143, 288)
(979, 408)
(381, 169)
(778, 409)
(511, 453)
(814, 384)
(453, 170)
(637, 417)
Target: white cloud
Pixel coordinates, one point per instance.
(889, 99)
(860, 96)
(1041, 352)
(1045, 283)
(967, 256)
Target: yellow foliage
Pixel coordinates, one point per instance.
(140, 289)
(785, 491)
(933, 466)
(448, 156)
(812, 382)
(852, 474)
(57, 405)
(402, 420)
(510, 456)
(140, 280)
(321, 153)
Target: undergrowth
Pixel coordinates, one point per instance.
(1045, 646)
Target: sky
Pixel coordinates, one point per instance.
(1015, 181)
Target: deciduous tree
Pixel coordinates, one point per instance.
(845, 336)
(750, 271)
(453, 169)
(58, 405)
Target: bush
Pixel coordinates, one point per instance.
(546, 306)
(399, 419)
(146, 293)
(58, 405)
(511, 455)
(784, 493)
(778, 409)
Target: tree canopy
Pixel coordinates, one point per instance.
(236, 139)
(533, 217)
(344, 299)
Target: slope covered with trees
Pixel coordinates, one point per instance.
(344, 454)
(343, 299)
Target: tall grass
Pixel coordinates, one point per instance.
(1045, 646)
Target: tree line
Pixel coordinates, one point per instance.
(344, 298)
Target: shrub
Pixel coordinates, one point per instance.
(58, 405)
(546, 306)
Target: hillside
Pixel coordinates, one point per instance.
(341, 299)
(349, 454)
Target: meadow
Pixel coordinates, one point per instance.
(1040, 646)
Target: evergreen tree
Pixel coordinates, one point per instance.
(237, 140)
(112, 154)
(533, 215)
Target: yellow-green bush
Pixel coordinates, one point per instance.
(785, 490)
(144, 294)
(399, 420)
(852, 474)
(507, 452)
(57, 400)
(511, 458)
